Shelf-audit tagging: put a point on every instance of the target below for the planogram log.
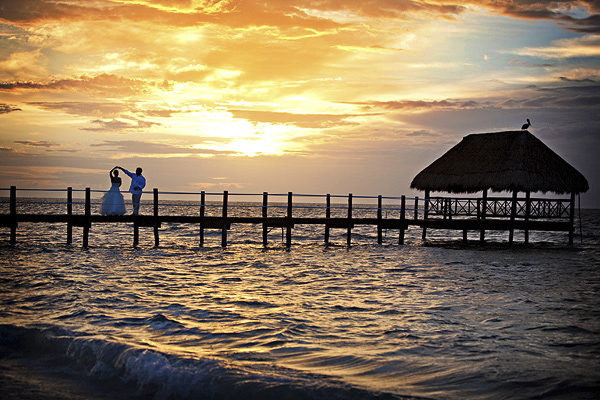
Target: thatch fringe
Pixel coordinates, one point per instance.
(501, 161)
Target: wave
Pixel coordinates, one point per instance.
(138, 372)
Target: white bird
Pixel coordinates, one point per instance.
(527, 125)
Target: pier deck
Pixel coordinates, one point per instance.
(504, 214)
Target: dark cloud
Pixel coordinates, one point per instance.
(37, 143)
(559, 11)
(6, 150)
(586, 80)
(530, 64)
(6, 108)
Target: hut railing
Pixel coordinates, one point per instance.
(499, 207)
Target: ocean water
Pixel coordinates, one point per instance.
(435, 320)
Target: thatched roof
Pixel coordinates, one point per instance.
(501, 161)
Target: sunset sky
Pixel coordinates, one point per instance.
(330, 96)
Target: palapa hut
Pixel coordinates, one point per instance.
(514, 161)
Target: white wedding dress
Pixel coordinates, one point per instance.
(112, 201)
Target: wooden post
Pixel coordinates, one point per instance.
(416, 211)
(482, 215)
(426, 213)
(349, 233)
(445, 209)
(265, 232)
(202, 211)
(327, 216)
(156, 223)
(70, 214)
(88, 212)
(13, 214)
(513, 215)
(402, 219)
(527, 214)
(288, 233)
(572, 218)
(224, 229)
(379, 218)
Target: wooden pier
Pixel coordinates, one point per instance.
(482, 214)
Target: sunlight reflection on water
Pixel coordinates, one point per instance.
(441, 321)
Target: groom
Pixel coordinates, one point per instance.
(138, 182)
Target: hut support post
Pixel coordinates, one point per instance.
(224, 228)
(70, 214)
(425, 214)
(572, 218)
(379, 218)
(349, 234)
(402, 219)
(527, 214)
(327, 216)
(13, 213)
(513, 215)
(416, 209)
(265, 228)
(156, 222)
(88, 212)
(482, 215)
(288, 233)
(202, 212)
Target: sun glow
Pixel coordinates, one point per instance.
(294, 85)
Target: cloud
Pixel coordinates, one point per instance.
(234, 14)
(6, 108)
(417, 105)
(326, 14)
(116, 125)
(23, 65)
(97, 109)
(127, 146)
(314, 121)
(109, 85)
(585, 46)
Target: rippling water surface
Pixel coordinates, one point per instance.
(440, 321)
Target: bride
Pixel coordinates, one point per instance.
(112, 201)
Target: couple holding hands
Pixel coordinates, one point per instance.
(112, 201)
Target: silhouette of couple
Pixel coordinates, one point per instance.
(112, 201)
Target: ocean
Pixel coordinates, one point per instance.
(425, 320)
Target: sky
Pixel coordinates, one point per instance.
(313, 97)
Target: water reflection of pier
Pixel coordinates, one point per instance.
(288, 210)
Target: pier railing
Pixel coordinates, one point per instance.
(221, 210)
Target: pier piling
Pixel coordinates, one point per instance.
(13, 214)
(70, 214)
(87, 222)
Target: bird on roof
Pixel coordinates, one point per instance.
(527, 125)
